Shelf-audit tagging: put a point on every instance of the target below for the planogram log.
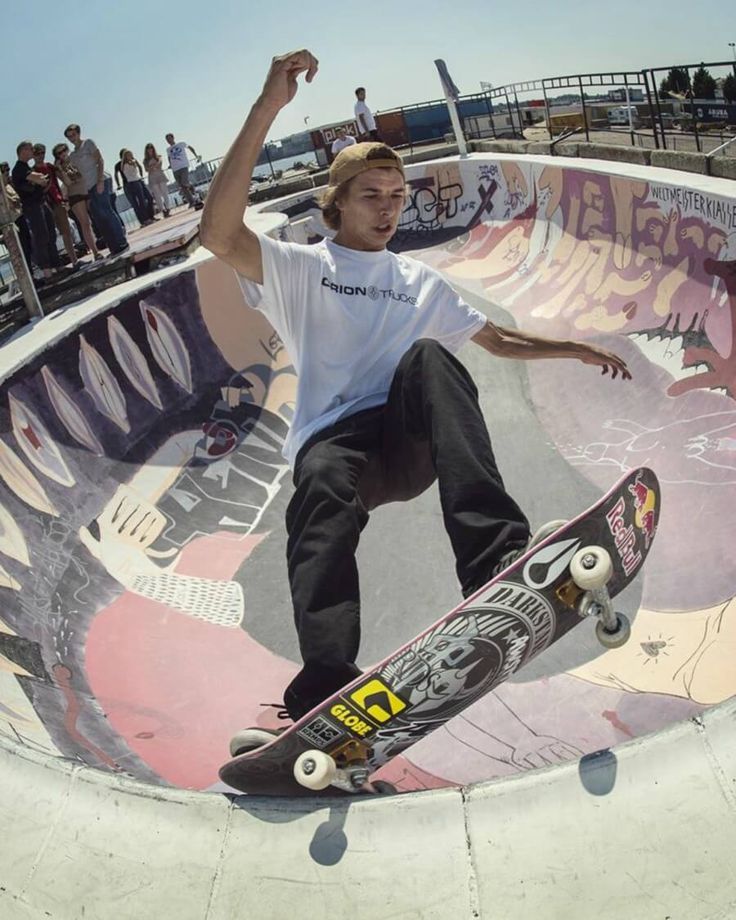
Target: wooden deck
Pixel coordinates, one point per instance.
(164, 242)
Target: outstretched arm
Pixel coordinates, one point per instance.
(513, 343)
(222, 229)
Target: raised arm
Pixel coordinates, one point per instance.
(222, 229)
(513, 343)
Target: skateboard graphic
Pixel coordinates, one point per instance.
(569, 577)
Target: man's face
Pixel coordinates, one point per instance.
(72, 135)
(25, 153)
(341, 133)
(169, 138)
(361, 95)
(370, 208)
(39, 154)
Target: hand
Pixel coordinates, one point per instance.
(127, 527)
(281, 86)
(591, 354)
(100, 186)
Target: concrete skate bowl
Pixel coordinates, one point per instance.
(145, 610)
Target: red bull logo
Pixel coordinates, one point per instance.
(623, 537)
(645, 503)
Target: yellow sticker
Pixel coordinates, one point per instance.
(377, 701)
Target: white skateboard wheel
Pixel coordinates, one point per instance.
(315, 770)
(617, 638)
(591, 567)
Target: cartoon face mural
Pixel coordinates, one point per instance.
(142, 483)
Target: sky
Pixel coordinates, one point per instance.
(128, 73)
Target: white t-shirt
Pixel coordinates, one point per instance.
(340, 143)
(177, 154)
(362, 109)
(346, 318)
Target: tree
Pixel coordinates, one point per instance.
(704, 86)
(676, 81)
(729, 88)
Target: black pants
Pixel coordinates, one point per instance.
(43, 234)
(431, 428)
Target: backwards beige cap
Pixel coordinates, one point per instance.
(355, 159)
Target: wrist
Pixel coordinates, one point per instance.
(265, 106)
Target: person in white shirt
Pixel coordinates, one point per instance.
(363, 115)
(179, 164)
(342, 141)
(383, 407)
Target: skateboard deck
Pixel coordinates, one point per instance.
(466, 653)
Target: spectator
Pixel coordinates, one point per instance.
(16, 212)
(31, 188)
(364, 117)
(76, 193)
(88, 160)
(157, 182)
(55, 201)
(179, 163)
(342, 140)
(132, 171)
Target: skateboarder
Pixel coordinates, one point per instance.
(383, 405)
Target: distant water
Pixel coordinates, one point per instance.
(286, 163)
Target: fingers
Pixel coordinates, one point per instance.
(297, 62)
(617, 366)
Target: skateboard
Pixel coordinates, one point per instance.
(569, 577)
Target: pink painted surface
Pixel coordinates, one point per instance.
(176, 688)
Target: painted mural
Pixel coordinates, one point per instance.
(142, 483)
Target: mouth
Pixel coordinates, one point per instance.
(384, 228)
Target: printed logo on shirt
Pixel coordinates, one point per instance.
(371, 291)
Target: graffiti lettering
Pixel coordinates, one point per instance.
(712, 208)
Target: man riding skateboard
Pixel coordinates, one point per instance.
(383, 408)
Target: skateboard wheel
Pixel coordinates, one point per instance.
(591, 567)
(315, 770)
(619, 636)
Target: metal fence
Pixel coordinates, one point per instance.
(507, 111)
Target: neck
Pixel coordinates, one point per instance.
(351, 241)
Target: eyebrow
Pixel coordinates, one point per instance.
(373, 188)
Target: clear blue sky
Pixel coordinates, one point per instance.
(129, 72)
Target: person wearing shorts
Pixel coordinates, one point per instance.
(158, 184)
(88, 160)
(179, 164)
(76, 195)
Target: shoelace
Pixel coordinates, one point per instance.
(505, 561)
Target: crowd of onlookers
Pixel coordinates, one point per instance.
(46, 194)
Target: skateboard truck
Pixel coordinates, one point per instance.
(345, 769)
(591, 568)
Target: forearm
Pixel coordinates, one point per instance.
(227, 199)
(513, 343)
